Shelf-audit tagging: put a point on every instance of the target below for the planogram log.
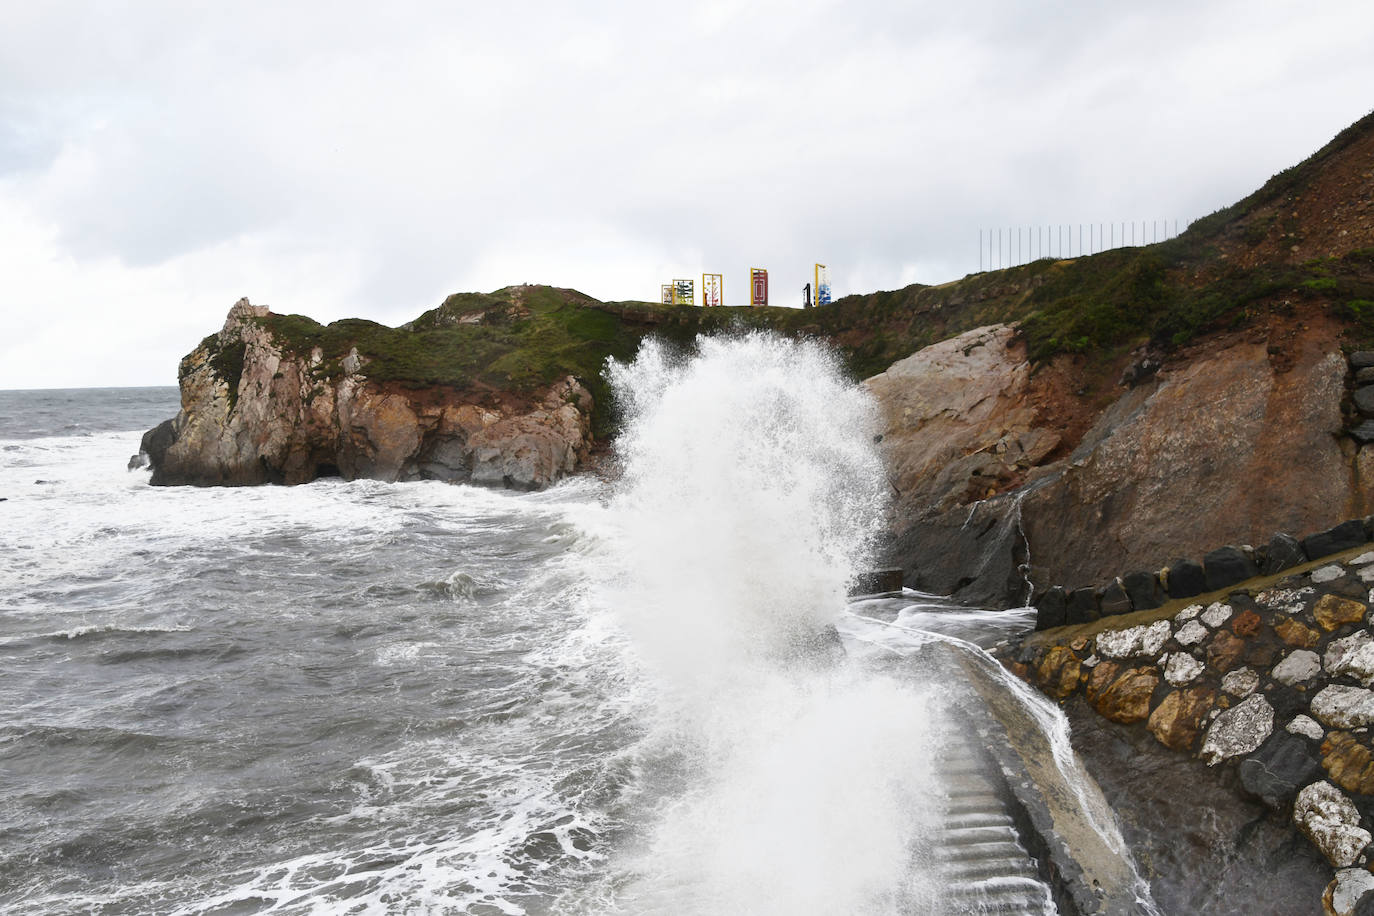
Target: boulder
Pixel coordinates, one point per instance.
(1127, 699)
(1361, 359)
(1181, 668)
(1338, 706)
(1058, 672)
(1238, 730)
(1112, 599)
(1307, 727)
(1225, 651)
(1364, 400)
(1177, 719)
(1227, 566)
(1352, 657)
(1184, 579)
(1329, 573)
(1348, 890)
(1332, 822)
(1240, 683)
(1363, 432)
(1191, 633)
(1144, 590)
(1348, 763)
(1145, 639)
(1217, 614)
(1344, 536)
(1246, 624)
(1284, 552)
(1052, 606)
(1298, 668)
(1333, 612)
(1296, 634)
(1101, 677)
(1081, 606)
(1278, 768)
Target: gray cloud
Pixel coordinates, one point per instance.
(362, 159)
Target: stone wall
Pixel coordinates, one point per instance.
(1219, 569)
(1271, 679)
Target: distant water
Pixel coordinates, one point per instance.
(49, 412)
(425, 698)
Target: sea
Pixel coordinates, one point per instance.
(640, 693)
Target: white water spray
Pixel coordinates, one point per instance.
(750, 495)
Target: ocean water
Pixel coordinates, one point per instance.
(358, 697)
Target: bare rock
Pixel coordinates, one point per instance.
(1177, 719)
(1307, 727)
(1240, 683)
(1333, 611)
(1349, 763)
(1146, 639)
(1127, 699)
(1338, 706)
(1332, 822)
(1216, 614)
(1296, 634)
(1058, 672)
(268, 415)
(1181, 668)
(1352, 657)
(1347, 889)
(1238, 730)
(1276, 771)
(1298, 668)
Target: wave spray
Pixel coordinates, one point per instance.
(785, 780)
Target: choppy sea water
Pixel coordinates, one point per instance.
(424, 698)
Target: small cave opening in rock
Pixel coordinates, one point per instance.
(327, 470)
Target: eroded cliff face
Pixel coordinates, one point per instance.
(253, 413)
(1228, 444)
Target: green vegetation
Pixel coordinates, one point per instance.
(226, 363)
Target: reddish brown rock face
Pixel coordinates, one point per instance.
(1224, 651)
(1127, 699)
(1177, 719)
(1247, 623)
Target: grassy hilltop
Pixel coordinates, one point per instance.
(1303, 241)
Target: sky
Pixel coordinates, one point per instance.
(159, 160)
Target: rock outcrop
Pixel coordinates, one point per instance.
(1227, 446)
(253, 411)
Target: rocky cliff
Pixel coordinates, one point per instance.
(1225, 445)
(255, 410)
(1147, 404)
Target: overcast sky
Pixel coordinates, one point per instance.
(158, 160)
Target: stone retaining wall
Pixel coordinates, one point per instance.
(1219, 569)
(1272, 679)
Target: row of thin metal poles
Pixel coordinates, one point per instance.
(1057, 241)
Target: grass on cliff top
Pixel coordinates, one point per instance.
(517, 339)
